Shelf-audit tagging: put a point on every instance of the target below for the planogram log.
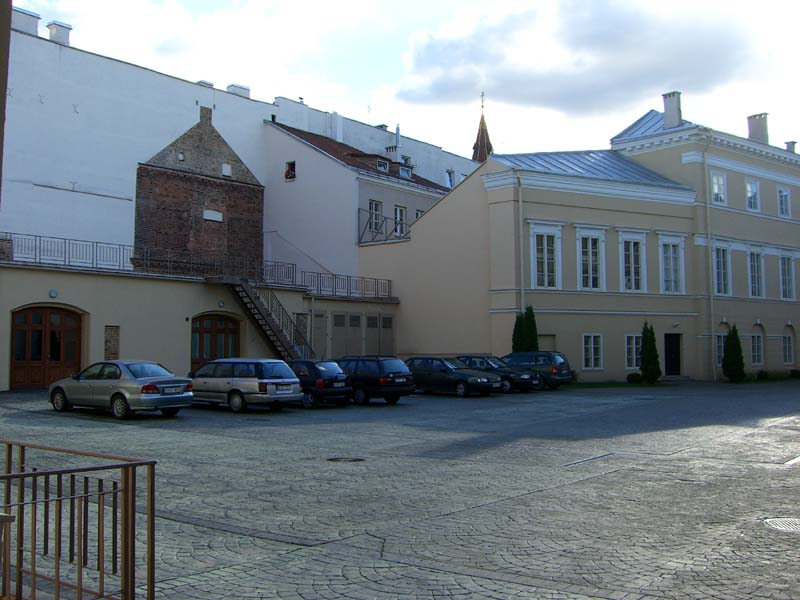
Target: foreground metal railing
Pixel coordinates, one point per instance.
(34, 249)
(71, 531)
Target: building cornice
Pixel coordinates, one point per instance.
(738, 167)
(766, 249)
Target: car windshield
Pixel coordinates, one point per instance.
(329, 367)
(454, 363)
(497, 363)
(394, 365)
(276, 370)
(140, 370)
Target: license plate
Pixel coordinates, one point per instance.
(173, 389)
(338, 384)
(400, 380)
(283, 388)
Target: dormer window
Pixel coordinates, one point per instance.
(289, 174)
(405, 172)
(450, 178)
(406, 159)
(383, 166)
(227, 170)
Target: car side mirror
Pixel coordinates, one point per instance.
(76, 376)
(191, 374)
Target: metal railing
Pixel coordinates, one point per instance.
(287, 324)
(72, 530)
(43, 250)
(374, 227)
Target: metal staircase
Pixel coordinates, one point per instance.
(273, 319)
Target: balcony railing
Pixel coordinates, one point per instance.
(374, 227)
(43, 250)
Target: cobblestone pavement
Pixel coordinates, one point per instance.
(615, 493)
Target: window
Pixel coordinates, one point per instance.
(420, 213)
(375, 215)
(722, 283)
(756, 350)
(633, 351)
(290, 173)
(592, 351)
(784, 203)
(751, 191)
(788, 350)
(720, 353)
(591, 257)
(181, 156)
(406, 159)
(787, 278)
(400, 221)
(546, 259)
(450, 178)
(671, 251)
(718, 191)
(244, 370)
(405, 172)
(756, 272)
(383, 166)
(632, 262)
(227, 170)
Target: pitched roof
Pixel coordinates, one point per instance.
(358, 159)
(651, 123)
(483, 146)
(604, 165)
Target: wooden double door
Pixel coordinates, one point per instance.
(45, 346)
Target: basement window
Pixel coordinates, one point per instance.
(289, 174)
(227, 170)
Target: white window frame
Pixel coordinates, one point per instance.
(757, 350)
(787, 213)
(596, 359)
(406, 172)
(383, 166)
(589, 233)
(629, 236)
(400, 220)
(719, 350)
(726, 289)
(673, 240)
(759, 284)
(787, 342)
(719, 186)
(634, 340)
(752, 190)
(787, 277)
(556, 232)
(419, 213)
(375, 216)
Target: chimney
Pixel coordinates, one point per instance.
(25, 21)
(239, 90)
(397, 136)
(336, 127)
(205, 83)
(59, 32)
(790, 147)
(672, 110)
(205, 114)
(757, 128)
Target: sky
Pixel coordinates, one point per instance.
(557, 74)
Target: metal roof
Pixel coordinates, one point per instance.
(652, 123)
(606, 165)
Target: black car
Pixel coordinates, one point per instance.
(322, 381)
(384, 377)
(513, 378)
(450, 375)
(553, 367)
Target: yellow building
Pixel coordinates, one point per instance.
(688, 228)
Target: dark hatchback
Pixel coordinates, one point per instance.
(513, 378)
(451, 376)
(553, 367)
(384, 377)
(322, 381)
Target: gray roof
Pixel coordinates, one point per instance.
(652, 123)
(604, 165)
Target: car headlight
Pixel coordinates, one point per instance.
(525, 377)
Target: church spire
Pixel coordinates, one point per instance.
(483, 147)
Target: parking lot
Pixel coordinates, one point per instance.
(579, 493)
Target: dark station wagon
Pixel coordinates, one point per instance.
(322, 381)
(384, 377)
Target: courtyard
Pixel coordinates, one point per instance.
(628, 492)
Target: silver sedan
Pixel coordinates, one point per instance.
(124, 387)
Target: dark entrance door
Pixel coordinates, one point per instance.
(214, 336)
(45, 346)
(672, 354)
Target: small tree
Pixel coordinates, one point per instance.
(732, 360)
(649, 362)
(531, 333)
(517, 338)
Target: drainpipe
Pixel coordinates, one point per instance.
(710, 255)
(520, 217)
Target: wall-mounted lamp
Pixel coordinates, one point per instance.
(221, 304)
(53, 294)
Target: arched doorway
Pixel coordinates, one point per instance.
(214, 336)
(45, 346)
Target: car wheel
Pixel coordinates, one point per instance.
(120, 408)
(170, 412)
(360, 397)
(461, 389)
(59, 401)
(506, 386)
(392, 400)
(237, 402)
(310, 400)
